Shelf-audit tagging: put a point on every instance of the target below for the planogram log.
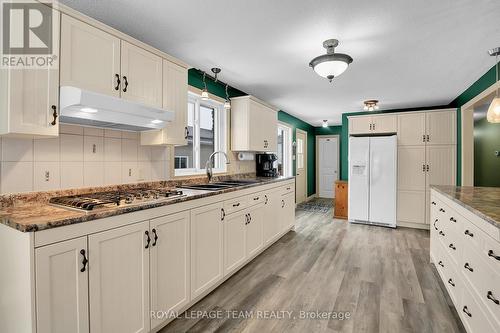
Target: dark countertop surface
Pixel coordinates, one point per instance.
(482, 201)
(40, 215)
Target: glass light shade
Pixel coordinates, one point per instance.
(204, 95)
(331, 68)
(365, 108)
(325, 123)
(493, 115)
(227, 105)
(376, 107)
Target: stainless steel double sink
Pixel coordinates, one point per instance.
(216, 186)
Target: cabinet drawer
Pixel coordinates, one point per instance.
(472, 236)
(452, 279)
(473, 316)
(234, 205)
(491, 252)
(287, 189)
(256, 198)
(453, 247)
(439, 260)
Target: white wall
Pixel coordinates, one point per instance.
(71, 162)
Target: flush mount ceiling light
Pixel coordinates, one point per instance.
(370, 105)
(331, 64)
(204, 93)
(493, 115)
(325, 123)
(227, 103)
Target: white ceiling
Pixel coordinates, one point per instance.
(406, 53)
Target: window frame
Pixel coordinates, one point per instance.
(220, 136)
(287, 149)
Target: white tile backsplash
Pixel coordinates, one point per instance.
(71, 162)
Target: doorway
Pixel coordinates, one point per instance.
(327, 161)
(301, 166)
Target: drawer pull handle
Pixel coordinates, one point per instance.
(433, 203)
(441, 210)
(247, 219)
(435, 221)
(282, 203)
(492, 254)
(450, 281)
(222, 214)
(466, 310)
(236, 204)
(148, 239)
(155, 237)
(451, 246)
(265, 196)
(288, 188)
(452, 219)
(441, 232)
(468, 233)
(256, 198)
(85, 261)
(440, 263)
(493, 299)
(467, 266)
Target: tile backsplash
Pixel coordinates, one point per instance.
(79, 157)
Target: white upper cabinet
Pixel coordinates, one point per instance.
(62, 287)
(175, 92)
(29, 98)
(360, 125)
(141, 73)
(373, 124)
(411, 129)
(441, 127)
(90, 58)
(253, 125)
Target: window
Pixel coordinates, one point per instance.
(206, 134)
(284, 150)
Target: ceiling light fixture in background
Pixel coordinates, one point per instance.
(331, 64)
(325, 123)
(493, 115)
(227, 103)
(204, 93)
(370, 105)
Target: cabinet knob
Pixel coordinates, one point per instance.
(468, 233)
(54, 115)
(452, 219)
(440, 263)
(450, 281)
(451, 246)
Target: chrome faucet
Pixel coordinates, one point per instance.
(209, 164)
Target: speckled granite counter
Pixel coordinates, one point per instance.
(482, 201)
(31, 212)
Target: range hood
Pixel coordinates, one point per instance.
(85, 107)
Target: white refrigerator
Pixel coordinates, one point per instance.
(373, 180)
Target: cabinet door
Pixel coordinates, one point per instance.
(272, 211)
(411, 168)
(270, 121)
(175, 92)
(34, 96)
(441, 127)
(206, 247)
(141, 75)
(255, 230)
(287, 211)
(411, 206)
(119, 280)
(257, 118)
(360, 125)
(441, 161)
(235, 241)
(385, 124)
(169, 261)
(411, 129)
(90, 57)
(62, 287)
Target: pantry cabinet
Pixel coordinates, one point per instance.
(62, 287)
(206, 247)
(119, 279)
(253, 125)
(434, 127)
(169, 264)
(375, 124)
(29, 98)
(411, 129)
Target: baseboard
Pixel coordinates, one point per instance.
(413, 225)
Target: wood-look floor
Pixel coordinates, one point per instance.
(381, 276)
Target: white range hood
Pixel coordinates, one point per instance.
(85, 107)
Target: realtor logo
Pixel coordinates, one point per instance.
(27, 34)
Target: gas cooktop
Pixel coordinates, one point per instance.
(114, 199)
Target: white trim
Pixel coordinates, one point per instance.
(287, 149)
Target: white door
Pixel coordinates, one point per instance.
(328, 166)
(383, 178)
(359, 177)
(207, 234)
(235, 241)
(119, 279)
(440, 126)
(360, 125)
(255, 230)
(90, 57)
(169, 263)
(301, 166)
(62, 287)
(272, 208)
(411, 129)
(175, 93)
(141, 75)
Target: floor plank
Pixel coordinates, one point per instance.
(381, 277)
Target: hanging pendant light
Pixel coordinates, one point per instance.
(204, 93)
(493, 115)
(331, 64)
(227, 103)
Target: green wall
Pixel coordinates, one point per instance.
(295, 123)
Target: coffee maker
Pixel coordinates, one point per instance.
(267, 165)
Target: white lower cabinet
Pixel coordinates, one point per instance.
(62, 287)
(272, 222)
(287, 213)
(169, 264)
(119, 279)
(255, 230)
(235, 241)
(206, 247)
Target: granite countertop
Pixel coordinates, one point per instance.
(34, 213)
(482, 201)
